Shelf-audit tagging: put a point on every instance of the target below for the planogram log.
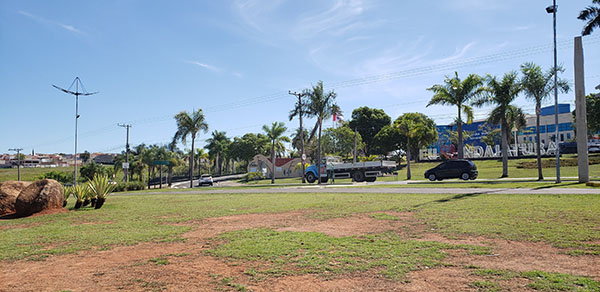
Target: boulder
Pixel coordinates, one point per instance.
(41, 195)
(9, 191)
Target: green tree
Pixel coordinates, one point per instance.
(593, 112)
(457, 92)
(320, 105)
(190, 125)
(85, 156)
(591, 14)
(275, 134)
(538, 86)
(368, 122)
(88, 170)
(417, 131)
(502, 94)
(340, 141)
(217, 145)
(389, 139)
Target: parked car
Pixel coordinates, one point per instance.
(460, 168)
(205, 179)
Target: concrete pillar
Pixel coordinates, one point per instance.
(580, 114)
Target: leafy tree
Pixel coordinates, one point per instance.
(85, 156)
(217, 145)
(275, 134)
(340, 141)
(246, 147)
(537, 86)
(368, 122)
(321, 105)
(502, 94)
(190, 125)
(591, 14)
(593, 112)
(417, 131)
(389, 139)
(88, 170)
(457, 92)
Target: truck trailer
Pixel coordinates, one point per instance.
(357, 171)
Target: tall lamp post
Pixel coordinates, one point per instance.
(77, 83)
(18, 150)
(552, 9)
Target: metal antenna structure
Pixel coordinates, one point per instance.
(77, 82)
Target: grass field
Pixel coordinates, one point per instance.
(568, 224)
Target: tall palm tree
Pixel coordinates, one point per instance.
(216, 146)
(502, 94)
(190, 125)
(275, 134)
(321, 105)
(458, 93)
(537, 86)
(591, 14)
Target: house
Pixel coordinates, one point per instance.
(284, 167)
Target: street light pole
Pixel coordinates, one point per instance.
(18, 150)
(77, 81)
(552, 9)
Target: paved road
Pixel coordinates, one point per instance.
(385, 190)
(217, 181)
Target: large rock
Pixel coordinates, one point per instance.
(41, 195)
(9, 191)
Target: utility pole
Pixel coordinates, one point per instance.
(303, 157)
(77, 82)
(126, 169)
(18, 150)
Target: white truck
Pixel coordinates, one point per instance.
(358, 171)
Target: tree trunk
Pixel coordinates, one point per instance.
(408, 173)
(319, 153)
(170, 175)
(148, 177)
(504, 149)
(192, 165)
(217, 168)
(538, 141)
(273, 162)
(461, 153)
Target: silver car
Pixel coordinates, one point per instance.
(205, 179)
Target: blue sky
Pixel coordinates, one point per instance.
(237, 59)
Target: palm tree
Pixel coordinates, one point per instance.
(298, 111)
(502, 94)
(321, 105)
(457, 93)
(537, 86)
(275, 133)
(591, 14)
(190, 125)
(216, 146)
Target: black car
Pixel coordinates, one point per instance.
(460, 168)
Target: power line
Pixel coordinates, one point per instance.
(414, 72)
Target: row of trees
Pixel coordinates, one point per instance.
(536, 84)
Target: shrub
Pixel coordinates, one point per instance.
(130, 186)
(62, 177)
(251, 176)
(100, 187)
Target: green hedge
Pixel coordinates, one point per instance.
(130, 186)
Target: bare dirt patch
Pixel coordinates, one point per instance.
(183, 266)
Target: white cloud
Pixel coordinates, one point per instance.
(51, 22)
(204, 65)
